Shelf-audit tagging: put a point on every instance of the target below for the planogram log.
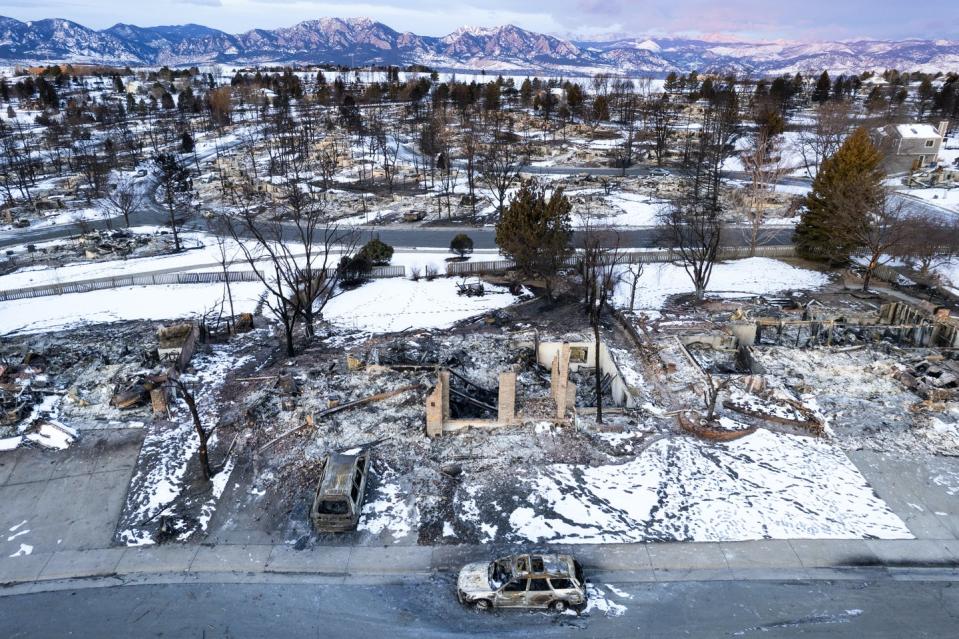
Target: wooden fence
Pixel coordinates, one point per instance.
(632, 257)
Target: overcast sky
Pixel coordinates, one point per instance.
(757, 19)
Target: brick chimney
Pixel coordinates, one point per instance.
(943, 127)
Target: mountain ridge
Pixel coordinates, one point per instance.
(365, 41)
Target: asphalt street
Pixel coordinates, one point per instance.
(428, 609)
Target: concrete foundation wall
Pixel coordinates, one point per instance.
(584, 354)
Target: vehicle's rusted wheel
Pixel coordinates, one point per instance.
(483, 604)
(559, 606)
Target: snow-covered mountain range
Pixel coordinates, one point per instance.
(362, 41)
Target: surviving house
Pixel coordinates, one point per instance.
(910, 147)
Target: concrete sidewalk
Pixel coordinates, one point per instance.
(770, 559)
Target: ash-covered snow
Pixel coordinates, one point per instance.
(764, 486)
(597, 601)
(628, 209)
(160, 483)
(389, 508)
(948, 480)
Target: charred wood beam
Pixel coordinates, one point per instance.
(471, 400)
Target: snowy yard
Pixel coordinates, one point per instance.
(57, 312)
(390, 305)
(736, 278)
(764, 486)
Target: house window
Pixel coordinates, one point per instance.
(930, 143)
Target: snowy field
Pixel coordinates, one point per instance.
(764, 486)
(391, 305)
(736, 278)
(173, 301)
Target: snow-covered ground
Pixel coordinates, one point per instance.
(57, 312)
(390, 305)
(202, 252)
(736, 278)
(632, 209)
(949, 271)
(946, 198)
(764, 486)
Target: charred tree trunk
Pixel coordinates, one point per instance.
(599, 375)
(203, 451)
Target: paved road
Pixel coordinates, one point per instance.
(405, 237)
(426, 608)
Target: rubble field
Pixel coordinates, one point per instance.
(771, 462)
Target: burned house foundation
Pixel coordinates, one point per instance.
(566, 361)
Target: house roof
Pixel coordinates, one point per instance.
(919, 131)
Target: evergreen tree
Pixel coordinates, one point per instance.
(462, 245)
(378, 253)
(854, 167)
(186, 143)
(526, 93)
(821, 93)
(535, 232)
(601, 108)
(924, 96)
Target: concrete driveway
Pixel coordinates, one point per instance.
(69, 499)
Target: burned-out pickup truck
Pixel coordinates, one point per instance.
(523, 581)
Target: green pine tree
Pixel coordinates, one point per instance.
(821, 93)
(853, 176)
(535, 232)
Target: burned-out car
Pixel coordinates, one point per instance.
(339, 495)
(523, 581)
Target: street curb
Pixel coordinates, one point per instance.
(653, 562)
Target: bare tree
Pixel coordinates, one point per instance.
(93, 167)
(176, 191)
(499, 166)
(623, 153)
(831, 124)
(125, 198)
(878, 229)
(635, 273)
(711, 394)
(599, 272)
(929, 242)
(692, 228)
(662, 116)
(202, 433)
(219, 229)
(470, 147)
(294, 256)
(765, 168)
